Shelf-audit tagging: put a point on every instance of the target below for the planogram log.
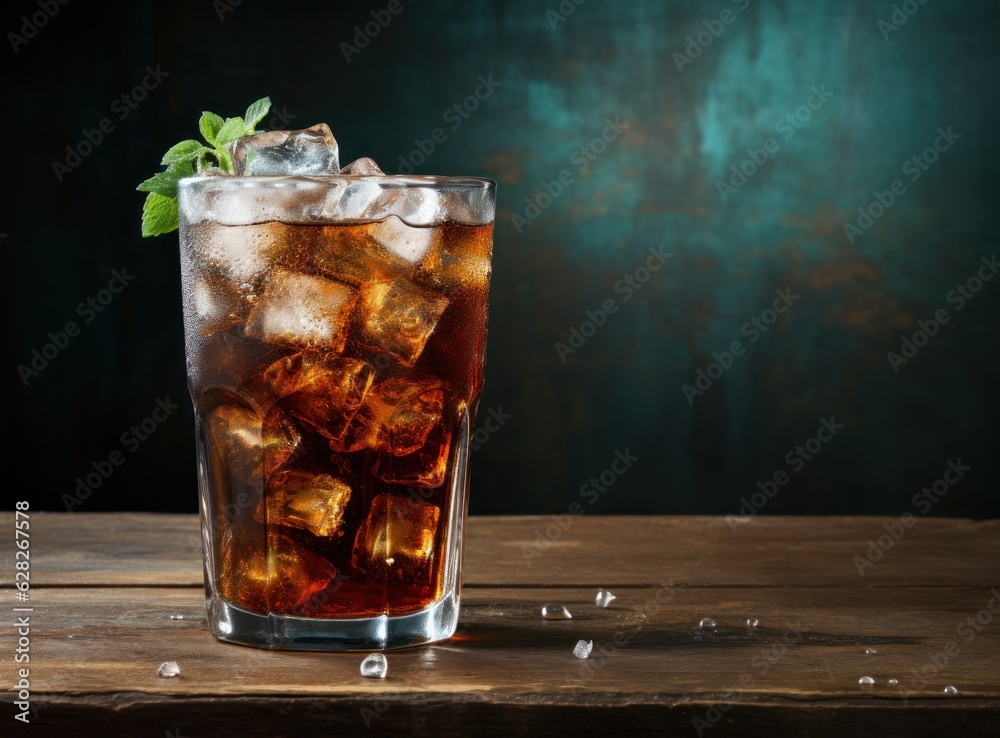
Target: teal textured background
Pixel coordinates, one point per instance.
(655, 184)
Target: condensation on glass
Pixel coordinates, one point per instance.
(335, 332)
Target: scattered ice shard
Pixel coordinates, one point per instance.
(168, 670)
(275, 153)
(871, 651)
(374, 666)
(866, 681)
(604, 598)
(555, 611)
(706, 623)
(950, 690)
(363, 167)
(302, 310)
(582, 649)
(893, 681)
(176, 617)
(313, 502)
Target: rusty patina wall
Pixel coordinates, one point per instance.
(613, 129)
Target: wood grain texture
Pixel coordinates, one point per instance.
(105, 586)
(148, 549)
(809, 645)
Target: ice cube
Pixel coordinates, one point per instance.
(397, 417)
(276, 580)
(583, 648)
(321, 391)
(425, 467)
(282, 439)
(241, 254)
(302, 310)
(374, 666)
(313, 502)
(231, 361)
(350, 253)
(459, 260)
(408, 243)
(309, 151)
(396, 539)
(235, 442)
(218, 303)
(363, 167)
(398, 318)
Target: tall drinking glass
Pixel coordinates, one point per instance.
(335, 330)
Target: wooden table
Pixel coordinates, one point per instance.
(104, 588)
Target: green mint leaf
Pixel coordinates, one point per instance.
(160, 211)
(204, 160)
(209, 126)
(184, 151)
(231, 130)
(165, 183)
(159, 215)
(256, 112)
(224, 159)
(161, 183)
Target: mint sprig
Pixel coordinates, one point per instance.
(159, 212)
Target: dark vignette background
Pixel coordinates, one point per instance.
(656, 184)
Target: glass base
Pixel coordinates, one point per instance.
(236, 625)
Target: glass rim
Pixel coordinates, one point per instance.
(397, 180)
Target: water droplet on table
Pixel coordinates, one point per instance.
(752, 623)
(374, 666)
(176, 617)
(582, 649)
(950, 690)
(871, 651)
(893, 681)
(168, 670)
(555, 611)
(706, 623)
(604, 598)
(866, 681)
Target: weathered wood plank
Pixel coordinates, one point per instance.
(140, 716)
(147, 549)
(810, 646)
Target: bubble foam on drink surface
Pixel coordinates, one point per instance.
(330, 398)
(335, 200)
